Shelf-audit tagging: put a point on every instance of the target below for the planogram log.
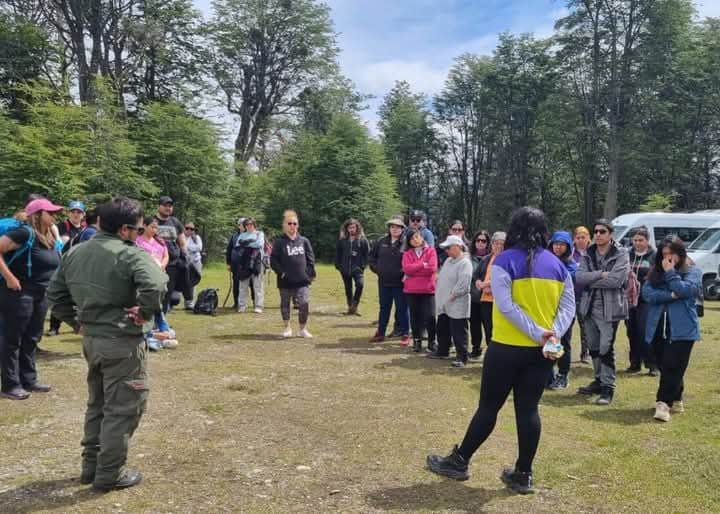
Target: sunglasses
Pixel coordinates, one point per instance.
(189, 228)
(601, 231)
(415, 220)
(133, 227)
(291, 223)
(481, 240)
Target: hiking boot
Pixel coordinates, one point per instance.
(453, 466)
(432, 346)
(521, 483)
(475, 354)
(677, 407)
(417, 345)
(16, 393)
(662, 411)
(560, 382)
(458, 363)
(633, 368)
(377, 338)
(436, 355)
(606, 396)
(38, 388)
(592, 388)
(405, 340)
(129, 478)
(653, 372)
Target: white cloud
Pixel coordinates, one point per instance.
(379, 77)
(708, 8)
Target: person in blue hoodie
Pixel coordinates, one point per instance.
(561, 245)
(672, 288)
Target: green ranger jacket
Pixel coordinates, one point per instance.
(99, 279)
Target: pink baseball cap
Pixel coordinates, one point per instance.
(41, 204)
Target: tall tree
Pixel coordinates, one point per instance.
(265, 53)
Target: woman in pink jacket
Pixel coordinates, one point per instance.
(420, 264)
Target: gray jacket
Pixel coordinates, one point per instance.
(612, 288)
(454, 280)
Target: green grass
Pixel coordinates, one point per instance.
(237, 416)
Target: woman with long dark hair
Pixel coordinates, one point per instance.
(419, 264)
(479, 250)
(672, 288)
(351, 257)
(538, 310)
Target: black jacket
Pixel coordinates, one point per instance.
(480, 266)
(351, 255)
(231, 244)
(293, 261)
(386, 262)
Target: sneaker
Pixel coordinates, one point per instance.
(432, 346)
(189, 306)
(377, 338)
(653, 372)
(305, 333)
(475, 354)
(633, 368)
(38, 388)
(521, 483)
(405, 340)
(16, 393)
(662, 411)
(396, 333)
(560, 382)
(241, 309)
(592, 388)
(258, 310)
(129, 478)
(606, 396)
(287, 333)
(52, 332)
(585, 358)
(417, 345)
(677, 407)
(154, 344)
(436, 355)
(453, 466)
(170, 343)
(458, 364)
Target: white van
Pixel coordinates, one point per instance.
(705, 252)
(688, 226)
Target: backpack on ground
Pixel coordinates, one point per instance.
(207, 302)
(9, 224)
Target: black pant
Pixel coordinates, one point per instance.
(522, 370)
(422, 315)
(455, 331)
(55, 324)
(476, 331)
(564, 361)
(640, 352)
(236, 289)
(673, 358)
(353, 298)
(486, 309)
(23, 317)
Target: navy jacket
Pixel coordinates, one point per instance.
(681, 311)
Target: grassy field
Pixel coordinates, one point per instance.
(242, 421)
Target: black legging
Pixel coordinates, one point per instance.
(359, 279)
(524, 371)
(422, 315)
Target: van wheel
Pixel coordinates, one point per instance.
(711, 288)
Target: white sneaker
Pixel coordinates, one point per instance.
(241, 309)
(662, 411)
(287, 333)
(257, 310)
(170, 343)
(677, 407)
(304, 333)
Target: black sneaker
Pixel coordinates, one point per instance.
(396, 333)
(453, 466)
(633, 368)
(52, 332)
(458, 363)
(417, 345)
(475, 354)
(521, 483)
(16, 393)
(436, 355)
(560, 382)
(432, 346)
(606, 396)
(129, 478)
(653, 372)
(592, 388)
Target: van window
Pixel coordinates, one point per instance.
(620, 231)
(687, 234)
(707, 241)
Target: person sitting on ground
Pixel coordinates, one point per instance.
(351, 257)
(250, 266)
(293, 261)
(419, 265)
(534, 304)
(452, 300)
(23, 282)
(561, 246)
(672, 287)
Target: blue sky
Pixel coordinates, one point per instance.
(382, 41)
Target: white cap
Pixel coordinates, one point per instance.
(453, 240)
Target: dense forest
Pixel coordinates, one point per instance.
(619, 110)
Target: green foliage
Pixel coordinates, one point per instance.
(330, 177)
(658, 202)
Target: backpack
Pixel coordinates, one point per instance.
(9, 224)
(207, 302)
(72, 242)
(250, 263)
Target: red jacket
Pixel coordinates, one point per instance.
(420, 272)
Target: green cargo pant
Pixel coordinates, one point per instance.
(117, 394)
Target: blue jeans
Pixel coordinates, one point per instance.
(161, 324)
(388, 295)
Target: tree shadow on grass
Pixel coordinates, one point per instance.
(620, 416)
(436, 496)
(420, 362)
(568, 399)
(45, 495)
(361, 346)
(49, 355)
(231, 338)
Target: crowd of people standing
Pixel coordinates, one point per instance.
(521, 291)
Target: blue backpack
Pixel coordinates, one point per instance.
(8, 224)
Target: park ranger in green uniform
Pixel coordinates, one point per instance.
(107, 288)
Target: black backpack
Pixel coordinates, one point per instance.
(207, 302)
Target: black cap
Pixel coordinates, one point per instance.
(164, 200)
(417, 214)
